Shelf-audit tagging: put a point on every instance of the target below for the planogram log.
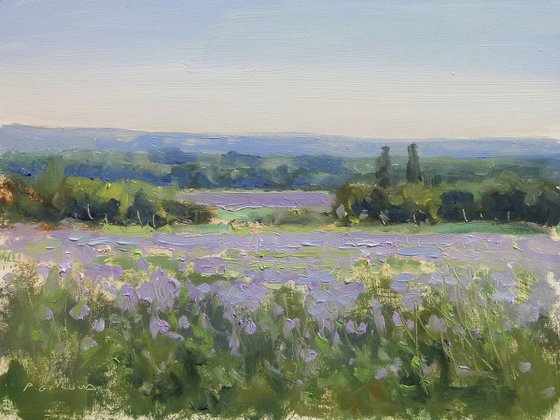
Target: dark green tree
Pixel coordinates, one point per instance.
(413, 165)
(51, 179)
(144, 211)
(383, 168)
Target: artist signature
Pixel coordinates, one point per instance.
(61, 386)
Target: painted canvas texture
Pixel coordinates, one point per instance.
(279, 209)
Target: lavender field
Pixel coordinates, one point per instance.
(252, 200)
(251, 263)
(343, 323)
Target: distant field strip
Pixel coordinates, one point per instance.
(242, 200)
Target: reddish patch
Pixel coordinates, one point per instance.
(45, 227)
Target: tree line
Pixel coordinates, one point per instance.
(52, 196)
(504, 197)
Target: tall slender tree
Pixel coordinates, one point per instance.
(413, 165)
(383, 168)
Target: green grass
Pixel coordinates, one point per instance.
(244, 215)
(516, 229)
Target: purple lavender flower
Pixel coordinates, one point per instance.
(143, 264)
(229, 313)
(362, 328)
(161, 293)
(181, 266)
(250, 327)
(351, 327)
(292, 323)
(128, 298)
(80, 311)
(381, 373)
(184, 323)
(158, 326)
(175, 336)
(524, 367)
(397, 319)
(277, 309)
(43, 270)
(98, 325)
(204, 288)
(48, 314)
(336, 338)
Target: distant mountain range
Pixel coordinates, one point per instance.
(37, 139)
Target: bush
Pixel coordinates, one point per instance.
(457, 205)
(504, 198)
(94, 201)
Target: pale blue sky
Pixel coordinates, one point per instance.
(365, 68)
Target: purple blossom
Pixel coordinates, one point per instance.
(362, 328)
(175, 336)
(292, 323)
(158, 326)
(143, 264)
(277, 309)
(397, 319)
(412, 299)
(184, 323)
(80, 311)
(43, 269)
(161, 293)
(381, 373)
(48, 314)
(351, 327)
(104, 271)
(229, 313)
(98, 325)
(250, 327)
(289, 325)
(463, 369)
(128, 298)
(336, 338)
(181, 265)
(204, 288)
(524, 367)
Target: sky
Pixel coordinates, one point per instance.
(392, 69)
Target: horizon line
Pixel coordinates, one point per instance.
(282, 134)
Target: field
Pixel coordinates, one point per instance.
(333, 322)
(141, 296)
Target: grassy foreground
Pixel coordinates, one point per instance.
(160, 345)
